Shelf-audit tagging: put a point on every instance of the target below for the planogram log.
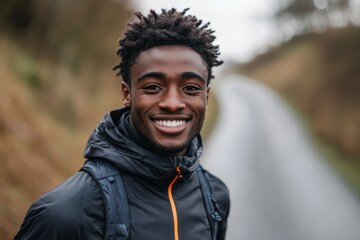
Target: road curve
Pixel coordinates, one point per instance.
(281, 188)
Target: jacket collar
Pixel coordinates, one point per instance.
(112, 141)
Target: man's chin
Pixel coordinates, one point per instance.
(171, 150)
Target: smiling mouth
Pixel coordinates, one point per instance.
(170, 123)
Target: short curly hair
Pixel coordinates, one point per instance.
(170, 27)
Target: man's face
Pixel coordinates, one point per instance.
(168, 96)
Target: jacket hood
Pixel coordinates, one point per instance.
(111, 141)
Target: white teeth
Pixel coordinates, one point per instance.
(169, 123)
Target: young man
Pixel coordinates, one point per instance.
(154, 142)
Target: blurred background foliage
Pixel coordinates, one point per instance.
(56, 84)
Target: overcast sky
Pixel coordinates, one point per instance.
(243, 27)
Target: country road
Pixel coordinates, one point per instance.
(281, 188)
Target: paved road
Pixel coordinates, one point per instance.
(281, 188)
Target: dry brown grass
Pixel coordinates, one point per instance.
(31, 148)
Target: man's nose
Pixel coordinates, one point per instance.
(172, 101)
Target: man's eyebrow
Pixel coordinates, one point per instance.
(158, 75)
(186, 75)
(161, 75)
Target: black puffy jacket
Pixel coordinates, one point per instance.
(74, 209)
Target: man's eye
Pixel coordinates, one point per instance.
(152, 87)
(191, 88)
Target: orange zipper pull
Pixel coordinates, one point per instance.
(178, 171)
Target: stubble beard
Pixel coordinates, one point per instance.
(164, 149)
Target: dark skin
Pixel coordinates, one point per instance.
(168, 97)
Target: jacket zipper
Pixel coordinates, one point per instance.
(172, 203)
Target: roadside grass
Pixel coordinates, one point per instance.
(347, 167)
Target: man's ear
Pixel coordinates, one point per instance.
(126, 94)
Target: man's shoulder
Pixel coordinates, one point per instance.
(217, 184)
(72, 207)
(78, 186)
(69, 198)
